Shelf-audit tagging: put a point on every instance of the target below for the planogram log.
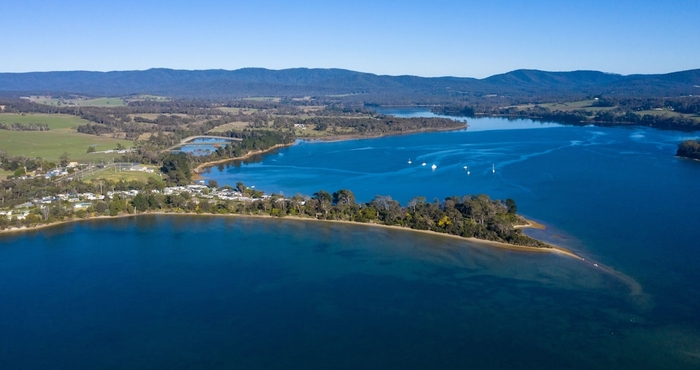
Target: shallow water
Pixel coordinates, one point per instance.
(207, 292)
(196, 292)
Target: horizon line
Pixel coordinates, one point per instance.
(343, 69)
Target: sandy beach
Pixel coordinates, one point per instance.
(553, 249)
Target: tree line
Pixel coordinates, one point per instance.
(377, 125)
(467, 216)
(16, 126)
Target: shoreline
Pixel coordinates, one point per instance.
(197, 171)
(635, 288)
(496, 244)
(200, 168)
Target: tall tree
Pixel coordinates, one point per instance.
(343, 196)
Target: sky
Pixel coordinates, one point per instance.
(460, 38)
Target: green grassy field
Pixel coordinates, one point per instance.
(95, 102)
(668, 113)
(61, 137)
(143, 97)
(229, 126)
(55, 121)
(264, 98)
(584, 105)
(237, 110)
(110, 174)
(4, 174)
(311, 108)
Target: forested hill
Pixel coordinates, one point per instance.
(325, 82)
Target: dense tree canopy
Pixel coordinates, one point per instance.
(689, 149)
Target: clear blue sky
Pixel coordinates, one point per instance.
(425, 38)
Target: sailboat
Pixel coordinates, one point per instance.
(493, 168)
(409, 161)
(433, 167)
(423, 164)
(466, 168)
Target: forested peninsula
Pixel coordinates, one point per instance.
(471, 216)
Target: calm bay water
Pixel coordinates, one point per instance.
(188, 292)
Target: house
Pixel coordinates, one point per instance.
(21, 215)
(140, 168)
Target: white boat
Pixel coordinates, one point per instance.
(409, 161)
(466, 168)
(423, 164)
(433, 167)
(493, 168)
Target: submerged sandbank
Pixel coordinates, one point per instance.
(633, 285)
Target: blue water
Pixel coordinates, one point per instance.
(209, 140)
(188, 292)
(196, 150)
(202, 145)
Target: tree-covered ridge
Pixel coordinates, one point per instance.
(302, 82)
(689, 149)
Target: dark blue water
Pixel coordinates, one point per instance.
(187, 292)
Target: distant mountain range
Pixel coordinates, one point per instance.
(248, 82)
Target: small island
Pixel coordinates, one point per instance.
(689, 149)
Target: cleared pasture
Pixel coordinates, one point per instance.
(584, 105)
(668, 113)
(238, 125)
(61, 137)
(55, 121)
(264, 98)
(51, 144)
(80, 102)
(152, 116)
(147, 97)
(112, 175)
